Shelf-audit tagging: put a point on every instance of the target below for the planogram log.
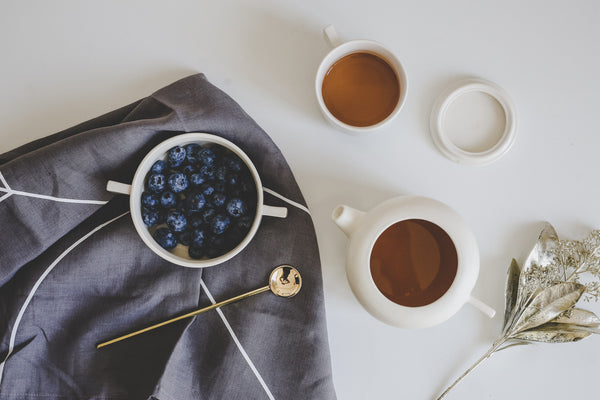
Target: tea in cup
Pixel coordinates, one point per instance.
(360, 84)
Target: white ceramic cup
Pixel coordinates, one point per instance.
(179, 254)
(339, 50)
(364, 228)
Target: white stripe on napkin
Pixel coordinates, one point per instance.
(13, 335)
(10, 192)
(298, 205)
(4, 181)
(237, 342)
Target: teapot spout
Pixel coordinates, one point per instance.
(346, 218)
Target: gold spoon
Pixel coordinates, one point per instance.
(285, 281)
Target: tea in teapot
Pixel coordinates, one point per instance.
(412, 261)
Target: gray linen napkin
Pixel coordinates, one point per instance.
(73, 271)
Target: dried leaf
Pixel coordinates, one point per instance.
(547, 305)
(578, 316)
(555, 333)
(540, 298)
(542, 254)
(512, 287)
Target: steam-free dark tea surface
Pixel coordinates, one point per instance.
(361, 89)
(413, 262)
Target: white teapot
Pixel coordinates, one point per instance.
(410, 237)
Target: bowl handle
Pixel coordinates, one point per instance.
(272, 211)
(268, 211)
(118, 187)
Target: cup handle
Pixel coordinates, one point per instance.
(272, 211)
(481, 306)
(331, 36)
(118, 187)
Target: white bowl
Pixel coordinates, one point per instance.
(179, 255)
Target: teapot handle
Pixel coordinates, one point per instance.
(481, 306)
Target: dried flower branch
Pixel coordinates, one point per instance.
(541, 296)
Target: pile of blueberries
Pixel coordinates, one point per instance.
(200, 196)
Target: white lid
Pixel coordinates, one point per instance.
(452, 150)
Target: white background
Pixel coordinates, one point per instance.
(63, 62)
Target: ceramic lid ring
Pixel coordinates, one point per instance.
(450, 149)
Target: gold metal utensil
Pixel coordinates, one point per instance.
(285, 281)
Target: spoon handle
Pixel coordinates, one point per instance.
(190, 314)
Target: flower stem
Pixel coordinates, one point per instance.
(575, 272)
(492, 349)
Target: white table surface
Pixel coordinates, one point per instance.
(63, 62)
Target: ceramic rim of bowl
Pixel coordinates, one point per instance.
(137, 186)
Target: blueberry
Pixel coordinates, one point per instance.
(160, 215)
(217, 246)
(206, 156)
(221, 173)
(245, 222)
(176, 156)
(176, 221)
(168, 199)
(207, 189)
(232, 179)
(217, 241)
(198, 237)
(208, 214)
(236, 207)
(150, 200)
(177, 182)
(165, 238)
(220, 187)
(234, 164)
(246, 185)
(197, 179)
(219, 199)
(191, 151)
(179, 206)
(185, 237)
(214, 249)
(207, 172)
(158, 167)
(212, 252)
(150, 217)
(188, 170)
(195, 221)
(196, 252)
(219, 224)
(195, 202)
(156, 183)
